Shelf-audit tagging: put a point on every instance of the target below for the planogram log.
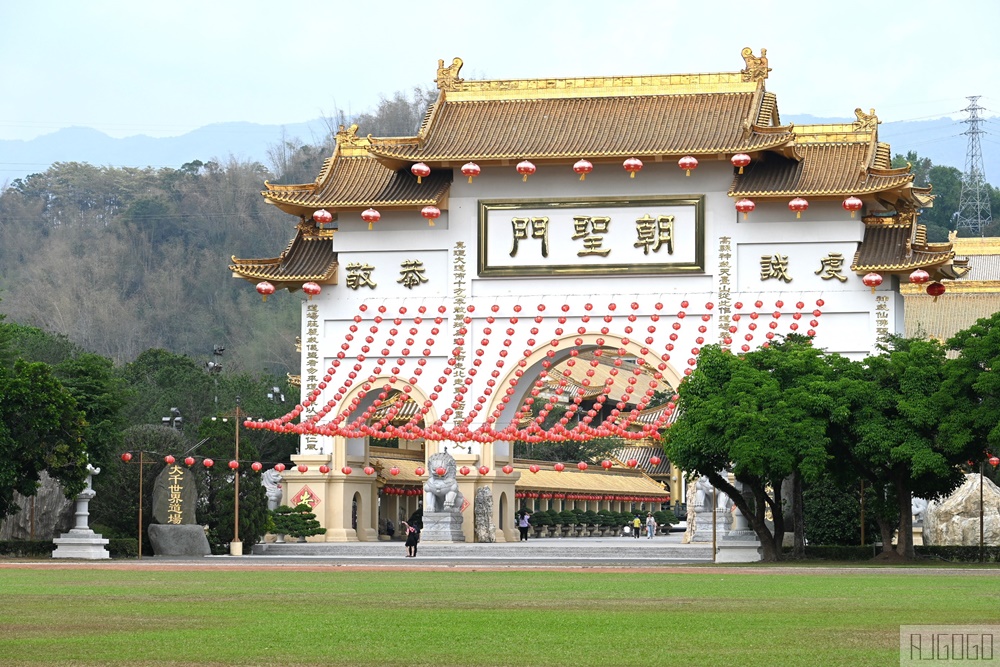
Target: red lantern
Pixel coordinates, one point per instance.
(208, 463)
(533, 468)
(581, 465)
(852, 204)
(465, 470)
(994, 461)
(872, 280)
(632, 165)
(312, 289)
(919, 277)
(470, 169)
(740, 160)
(346, 470)
(369, 470)
(583, 167)
(233, 465)
(798, 205)
(508, 469)
(559, 467)
(189, 461)
(654, 460)
(280, 467)
(420, 170)
(370, 216)
(324, 469)
(687, 163)
(606, 464)
(323, 216)
(525, 168)
(935, 289)
(302, 468)
(432, 213)
(745, 206)
(126, 457)
(483, 470)
(631, 463)
(256, 466)
(265, 289)
(419, 471)
(393, 471)
(440, 471)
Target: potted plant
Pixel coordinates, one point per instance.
(592, 521)
(541, 521)
(298, 522)
(607, 521)
(665, 519)
(568, 520)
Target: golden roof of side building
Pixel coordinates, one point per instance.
(898, 244)
(308, 257)
(351, 179)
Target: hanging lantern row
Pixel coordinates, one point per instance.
(402, 491)
(745, 206)
(555, 495)
(189, 461)
(582, 167)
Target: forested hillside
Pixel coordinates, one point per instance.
(124, 260)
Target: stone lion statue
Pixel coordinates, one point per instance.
(441, 492)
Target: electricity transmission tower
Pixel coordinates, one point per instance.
(974, 204)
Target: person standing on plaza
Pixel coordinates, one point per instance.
(523, 523)
(636, 526)
(650, 525)
(412, 538)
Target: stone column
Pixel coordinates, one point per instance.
(81, 541)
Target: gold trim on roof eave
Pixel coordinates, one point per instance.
(822, 193)
(569, 156)
(599, 86)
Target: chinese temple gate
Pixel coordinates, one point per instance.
(570, 242)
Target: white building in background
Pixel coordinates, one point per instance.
(532, 223)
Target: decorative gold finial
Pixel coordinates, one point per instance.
(757, 68)
(348, 137)
(866, 121)
(447, 77)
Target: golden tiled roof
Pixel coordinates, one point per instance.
(308, 257)
(593, 480)
(642, 454)
(637, 125)
(357, 182)
(833, 169)
(898, 245)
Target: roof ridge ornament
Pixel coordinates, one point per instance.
(447, 77)
(866, 121)
(757, 68)
(349, 136)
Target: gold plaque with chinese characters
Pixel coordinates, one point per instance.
(602, 236)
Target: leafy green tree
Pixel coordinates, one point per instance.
(766, 415)
(894, 427)
(970, 393)
(41, 428)
(296, 521)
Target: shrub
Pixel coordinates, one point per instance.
(665, 518)
(543, 518)
(959, 554)
(123, 547)
(607, 519)
(568, 518)
(590, 518)
(296, 522)
(27, 548)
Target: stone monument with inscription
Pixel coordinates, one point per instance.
(175, 499)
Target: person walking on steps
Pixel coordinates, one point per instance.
(650, 525)
(636, 526)
(412, 538)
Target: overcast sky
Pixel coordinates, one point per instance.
(163, 68)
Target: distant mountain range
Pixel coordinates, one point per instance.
(941, 140)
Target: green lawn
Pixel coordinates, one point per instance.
(342, 617)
